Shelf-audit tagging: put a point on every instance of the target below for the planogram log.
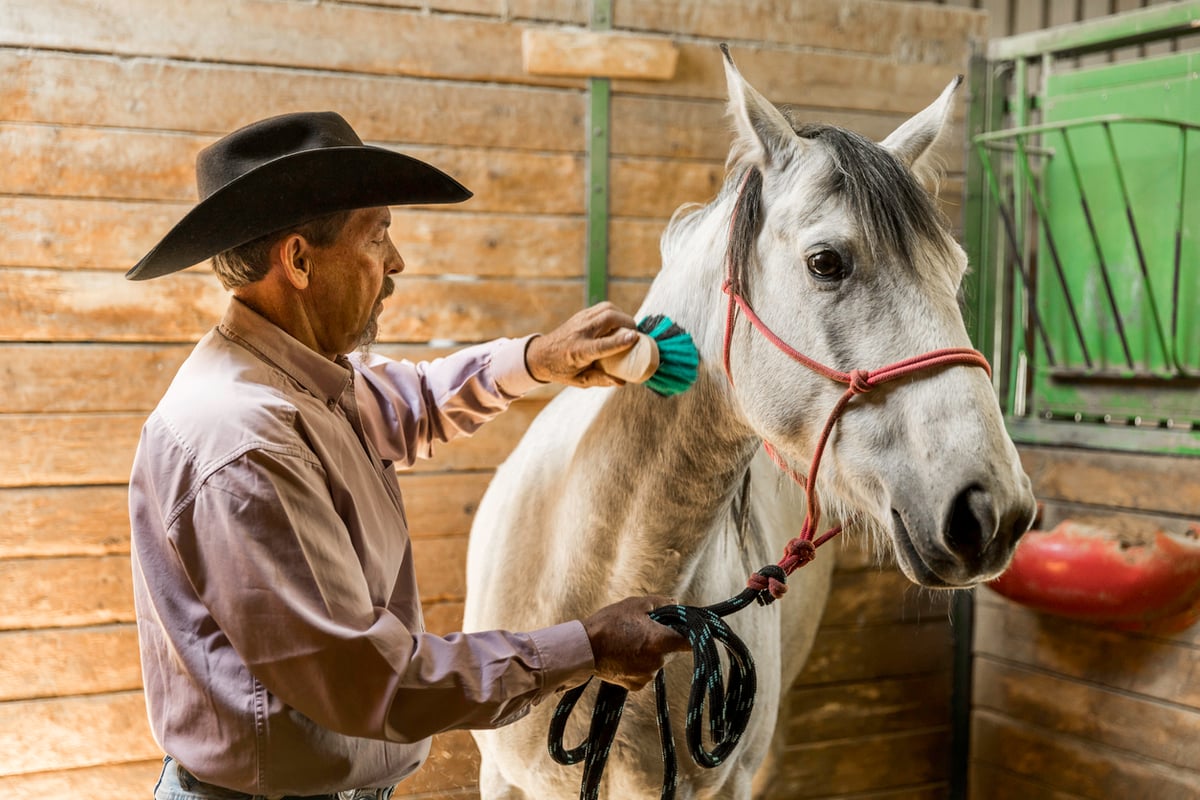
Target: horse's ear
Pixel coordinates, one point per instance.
(762, 134)
(913, 139)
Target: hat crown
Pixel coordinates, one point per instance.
(257, 144)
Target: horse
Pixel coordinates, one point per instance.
(842, 254)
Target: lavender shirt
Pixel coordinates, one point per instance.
(282, 643)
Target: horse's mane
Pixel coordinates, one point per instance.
(897, 215)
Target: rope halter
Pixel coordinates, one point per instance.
(800, 550)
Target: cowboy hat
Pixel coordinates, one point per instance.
(285, 171)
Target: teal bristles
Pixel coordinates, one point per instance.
(678, 360)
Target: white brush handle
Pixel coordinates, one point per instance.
(635, 365)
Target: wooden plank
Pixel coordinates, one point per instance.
(196, 97)
(50, 305)
(453, 765)
(886, 596)
(443, 618)
(847, 710)
(833, 80)
(493, 8)
(1116, 480)
(136, 165)
(55, 306)
(1071, 765)
(628, 294)
(859, 654)
(81, 521)
(597, 54)
(46, 378)
(904, 31)
(993, 783)
(633, 250)
(866, 764)
(69, 661)
(655, 188)
(1151, 667)
(62, 592)
(442, 504)
(107, 782)
(577, 12)
(441, 568)
(1157, 730)
(74, 450)
(66, 733)
(424, 309)
(370, 40)
(69, 233)
(68, 450)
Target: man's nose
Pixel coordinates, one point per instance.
(394, 263)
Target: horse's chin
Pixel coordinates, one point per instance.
(931, 569)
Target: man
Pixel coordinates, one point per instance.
(282, 643)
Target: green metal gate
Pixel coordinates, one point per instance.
(1083, 225)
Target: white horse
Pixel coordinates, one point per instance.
(615, 492)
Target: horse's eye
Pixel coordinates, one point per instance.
(826, 265)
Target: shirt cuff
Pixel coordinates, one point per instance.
(508, 367)
(566, 655)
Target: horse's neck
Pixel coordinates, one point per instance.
(662, 473)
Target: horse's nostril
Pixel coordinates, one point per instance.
(971, 524)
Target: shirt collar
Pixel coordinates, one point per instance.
(324, 379)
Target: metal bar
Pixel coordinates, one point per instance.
(1022, 297)
(1103, 119)
(599, 125)
(1175, 316)
(1040, 210)
(1087, 215)
(1106, 33)
(1137, 243)
(1014, 243)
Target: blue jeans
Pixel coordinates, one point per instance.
(176, 783)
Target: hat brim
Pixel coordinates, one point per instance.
(292, 190)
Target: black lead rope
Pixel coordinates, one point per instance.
(729, 704)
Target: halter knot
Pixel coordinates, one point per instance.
(770, 582)
(860, 381)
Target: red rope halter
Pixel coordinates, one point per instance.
(803, 548)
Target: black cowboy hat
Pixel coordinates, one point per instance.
(285, 171)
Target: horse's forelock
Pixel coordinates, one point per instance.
(897, 215)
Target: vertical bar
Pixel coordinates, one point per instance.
(599, 123)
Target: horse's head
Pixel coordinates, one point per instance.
(844, 257)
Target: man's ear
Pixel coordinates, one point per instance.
(292, 255)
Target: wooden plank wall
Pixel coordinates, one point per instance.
(103, 107)
(1063, 709)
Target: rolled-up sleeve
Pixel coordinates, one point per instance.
(278, 571)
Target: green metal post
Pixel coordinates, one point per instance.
(599, 121)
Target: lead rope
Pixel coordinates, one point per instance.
(730, 704)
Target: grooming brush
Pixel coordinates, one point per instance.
(664, 358)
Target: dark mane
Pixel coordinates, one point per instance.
(893, 210)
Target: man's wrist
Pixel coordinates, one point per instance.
(530, 365)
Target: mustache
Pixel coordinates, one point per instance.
(388, 287)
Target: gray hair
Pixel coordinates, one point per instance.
(248, 263)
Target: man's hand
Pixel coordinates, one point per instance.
(569, 353)
(627, 645)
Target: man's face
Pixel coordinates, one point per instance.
(350, 279)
